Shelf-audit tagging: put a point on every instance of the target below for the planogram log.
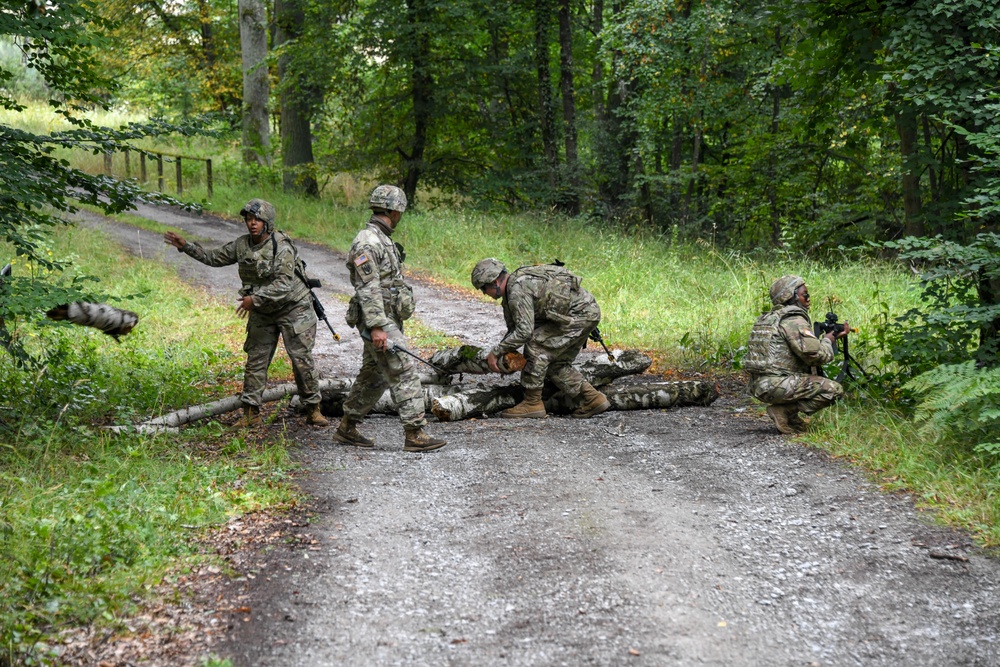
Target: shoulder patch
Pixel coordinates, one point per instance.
(364, 265)
(807, 333)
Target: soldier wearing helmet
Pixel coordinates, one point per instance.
(382, 301)
(782, 351)
(276, 302)
(550, 315)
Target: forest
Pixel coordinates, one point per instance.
(854, 141)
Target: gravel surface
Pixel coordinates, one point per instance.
(674, 537)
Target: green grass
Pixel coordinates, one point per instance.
(90, 520)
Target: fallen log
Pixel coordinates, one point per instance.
(229, 404)
(651, 395)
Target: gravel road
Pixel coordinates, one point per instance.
(673, 537)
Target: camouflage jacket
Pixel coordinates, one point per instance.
(782, 342)
(544, 294)
(381, 297)
(266, 269)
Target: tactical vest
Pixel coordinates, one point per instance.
(555, 297)
(397, 296)
(768, 353)
(257, 264)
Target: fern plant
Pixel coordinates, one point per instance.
(960, 402)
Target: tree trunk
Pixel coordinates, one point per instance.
(418, 16)
(253, 48)
(597, 76)
(546, 110)
(571, 198)
(772, 186)
(298, 173)
(906, 126)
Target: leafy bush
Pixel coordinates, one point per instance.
(960, 402)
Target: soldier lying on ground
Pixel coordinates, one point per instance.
(276, 301)
(548, 313)
(780, 356)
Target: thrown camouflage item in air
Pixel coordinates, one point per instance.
(388, 197)
(551, 315)
(780, 356)
(113, 321)
(382, 300)
(282, 308)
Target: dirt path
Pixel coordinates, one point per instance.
(676, 537)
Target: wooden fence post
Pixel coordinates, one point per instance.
(180, 186)
(142, 167)
(159, 171)
(128, 163)
(107, 164)
(208, 176)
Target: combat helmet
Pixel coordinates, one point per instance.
(783, 289)
(388, 197)
(486, 271)
(263, 211)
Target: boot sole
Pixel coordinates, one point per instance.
(423, 448)
(603, 407)
(354, 443)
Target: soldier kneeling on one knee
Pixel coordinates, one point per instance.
(780, 356)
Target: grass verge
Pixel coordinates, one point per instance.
(90, 520)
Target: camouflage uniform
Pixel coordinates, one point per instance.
(548, 313)
(381, 300)
(781, 352)
(281, 307)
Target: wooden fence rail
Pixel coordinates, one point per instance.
(160, 158)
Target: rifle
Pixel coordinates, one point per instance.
(595, 335)
(391, 345)
(832, 325)
(312, 283)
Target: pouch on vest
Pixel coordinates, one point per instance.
(403, 302)
(557, 296)
(353, 312)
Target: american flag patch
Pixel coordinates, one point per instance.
(360, 260)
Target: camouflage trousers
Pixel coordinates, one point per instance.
(550, 355)
(394, 371)
(808, 393)
(296, 325)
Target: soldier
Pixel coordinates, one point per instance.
(381, 302)
(276, 301)
(548, 313)
(780, 356)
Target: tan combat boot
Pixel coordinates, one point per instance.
(315, 417)
(251, 417)
(347, 433)
(530, 408)
(418, 441)
(594, 402)
(779, 415)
